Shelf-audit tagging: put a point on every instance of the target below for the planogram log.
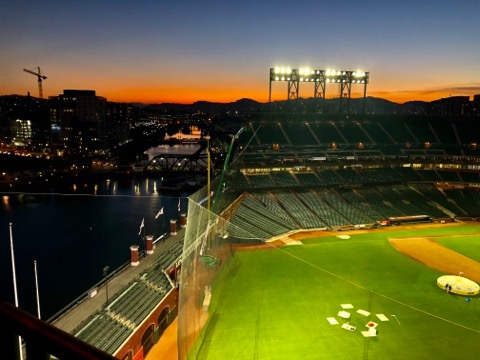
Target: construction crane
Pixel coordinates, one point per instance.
(40, 78)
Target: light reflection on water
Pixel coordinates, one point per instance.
(179, 149)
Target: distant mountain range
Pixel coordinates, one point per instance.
(242, 106)
(371, 105)
(252, 106)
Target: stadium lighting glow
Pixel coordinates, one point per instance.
(342, 78)
(308, 71)
(282, 70)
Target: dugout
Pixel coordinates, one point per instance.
(411, 219)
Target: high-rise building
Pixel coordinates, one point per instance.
(21, 132)
(78, 121)
(476, 104)
(118, 123)
(24, 122)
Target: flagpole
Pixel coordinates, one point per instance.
(14, 275)
(144, 240)
(13, 267)
(36, 289)
(144, 243)
(160, 213)
(142, 229)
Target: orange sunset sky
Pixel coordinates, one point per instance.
(186, 51)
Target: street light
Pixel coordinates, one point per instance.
(105, 273)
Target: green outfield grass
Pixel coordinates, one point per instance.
(275, 303)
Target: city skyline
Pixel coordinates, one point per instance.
(186, 51)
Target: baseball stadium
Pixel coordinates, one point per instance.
(324, 234)
(349, 237)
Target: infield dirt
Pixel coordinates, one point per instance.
(423, 249)
(429, 252)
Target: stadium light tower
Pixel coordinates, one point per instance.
(320, 84)
(345, 79)
(294, 77)
(285, 74)
(320, 79)
(317, 77)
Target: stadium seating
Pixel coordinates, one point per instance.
(300, 134)
(439, 199)
(261, 181)
(315, 174)
(113, 325)
(274, 208)
(348, 211)
(298, 210)
(331, 217)
(467, 200)
(283, 179)
(307, 179)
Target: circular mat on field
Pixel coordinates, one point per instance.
(344, 237)
(460, 285)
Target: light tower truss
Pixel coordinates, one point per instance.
(321, 79)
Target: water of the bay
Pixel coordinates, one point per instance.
(72, 237)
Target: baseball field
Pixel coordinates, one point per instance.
(285, 300)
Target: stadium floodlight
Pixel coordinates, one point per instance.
(282, 73)
(291, 76)
(336, 76)
(294, 76)
(282, 70)
(343, 78)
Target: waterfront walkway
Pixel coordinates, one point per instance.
(73, 318)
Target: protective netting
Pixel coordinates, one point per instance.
(208, 260)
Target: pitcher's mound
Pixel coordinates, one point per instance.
(459, 285)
